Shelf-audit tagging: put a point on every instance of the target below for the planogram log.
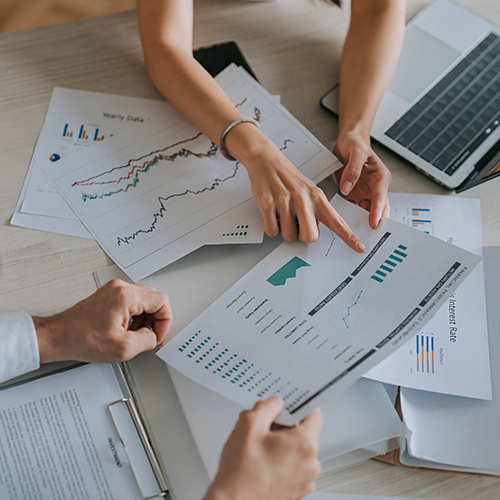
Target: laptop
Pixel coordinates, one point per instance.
(441, 110)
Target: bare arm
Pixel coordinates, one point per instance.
(369, 57)
(287, 200)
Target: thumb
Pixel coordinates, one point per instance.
(140, 340)
(352, 171)
(265, 413)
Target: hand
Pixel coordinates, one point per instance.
(97, 328)
(365, 179)
(288, 201)
(258, 462)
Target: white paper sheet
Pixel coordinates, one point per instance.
(57, 439)
(150, 202)
(457, 337)
(359, 423)
(309, 320)
(41, 207)
(78, 119)
(360, 417)
(450, 430)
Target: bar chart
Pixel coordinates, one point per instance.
(88, 133)
(425, 353)
(421, 218)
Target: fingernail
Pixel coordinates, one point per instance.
(360, 245)
(346, 187)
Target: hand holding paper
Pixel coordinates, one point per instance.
(280, 464)
(309, 320)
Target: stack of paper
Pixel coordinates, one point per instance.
(457, 337)
(450, 396)
(151, 188)
(453, 432)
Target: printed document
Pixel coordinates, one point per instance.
(151, 201)
(457, 337)
(309, 320)
(57, 439)
(458, 433)
(78, 119)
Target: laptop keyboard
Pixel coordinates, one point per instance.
(452, 120)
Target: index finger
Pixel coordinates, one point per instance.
(379, 207)
(332, 220)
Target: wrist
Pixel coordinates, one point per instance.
(49, 337)
(215, 492)
(247, 144)
(223, 488)
(360, 130)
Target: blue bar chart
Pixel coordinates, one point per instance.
(84, 133)
(421, 219)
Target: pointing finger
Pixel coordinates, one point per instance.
(331, 219)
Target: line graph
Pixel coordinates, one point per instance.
(151, 199)
(331, 244)
(349, 309)
(136, 169)
(133, 174)
(256, 110)
(162, 201)
(134, 160)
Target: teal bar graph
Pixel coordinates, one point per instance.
(395, 258)
(392, 261)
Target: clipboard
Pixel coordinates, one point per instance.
(135, 442)
(56, 422)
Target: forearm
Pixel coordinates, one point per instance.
(289, 202)
(190, 89)
(185, 83)
(370, 54)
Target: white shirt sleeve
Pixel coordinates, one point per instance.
(18, 345)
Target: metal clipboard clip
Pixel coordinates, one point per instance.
(141, 456)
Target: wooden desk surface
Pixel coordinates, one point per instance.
(294, 47)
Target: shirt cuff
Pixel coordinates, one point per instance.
(19, 352)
